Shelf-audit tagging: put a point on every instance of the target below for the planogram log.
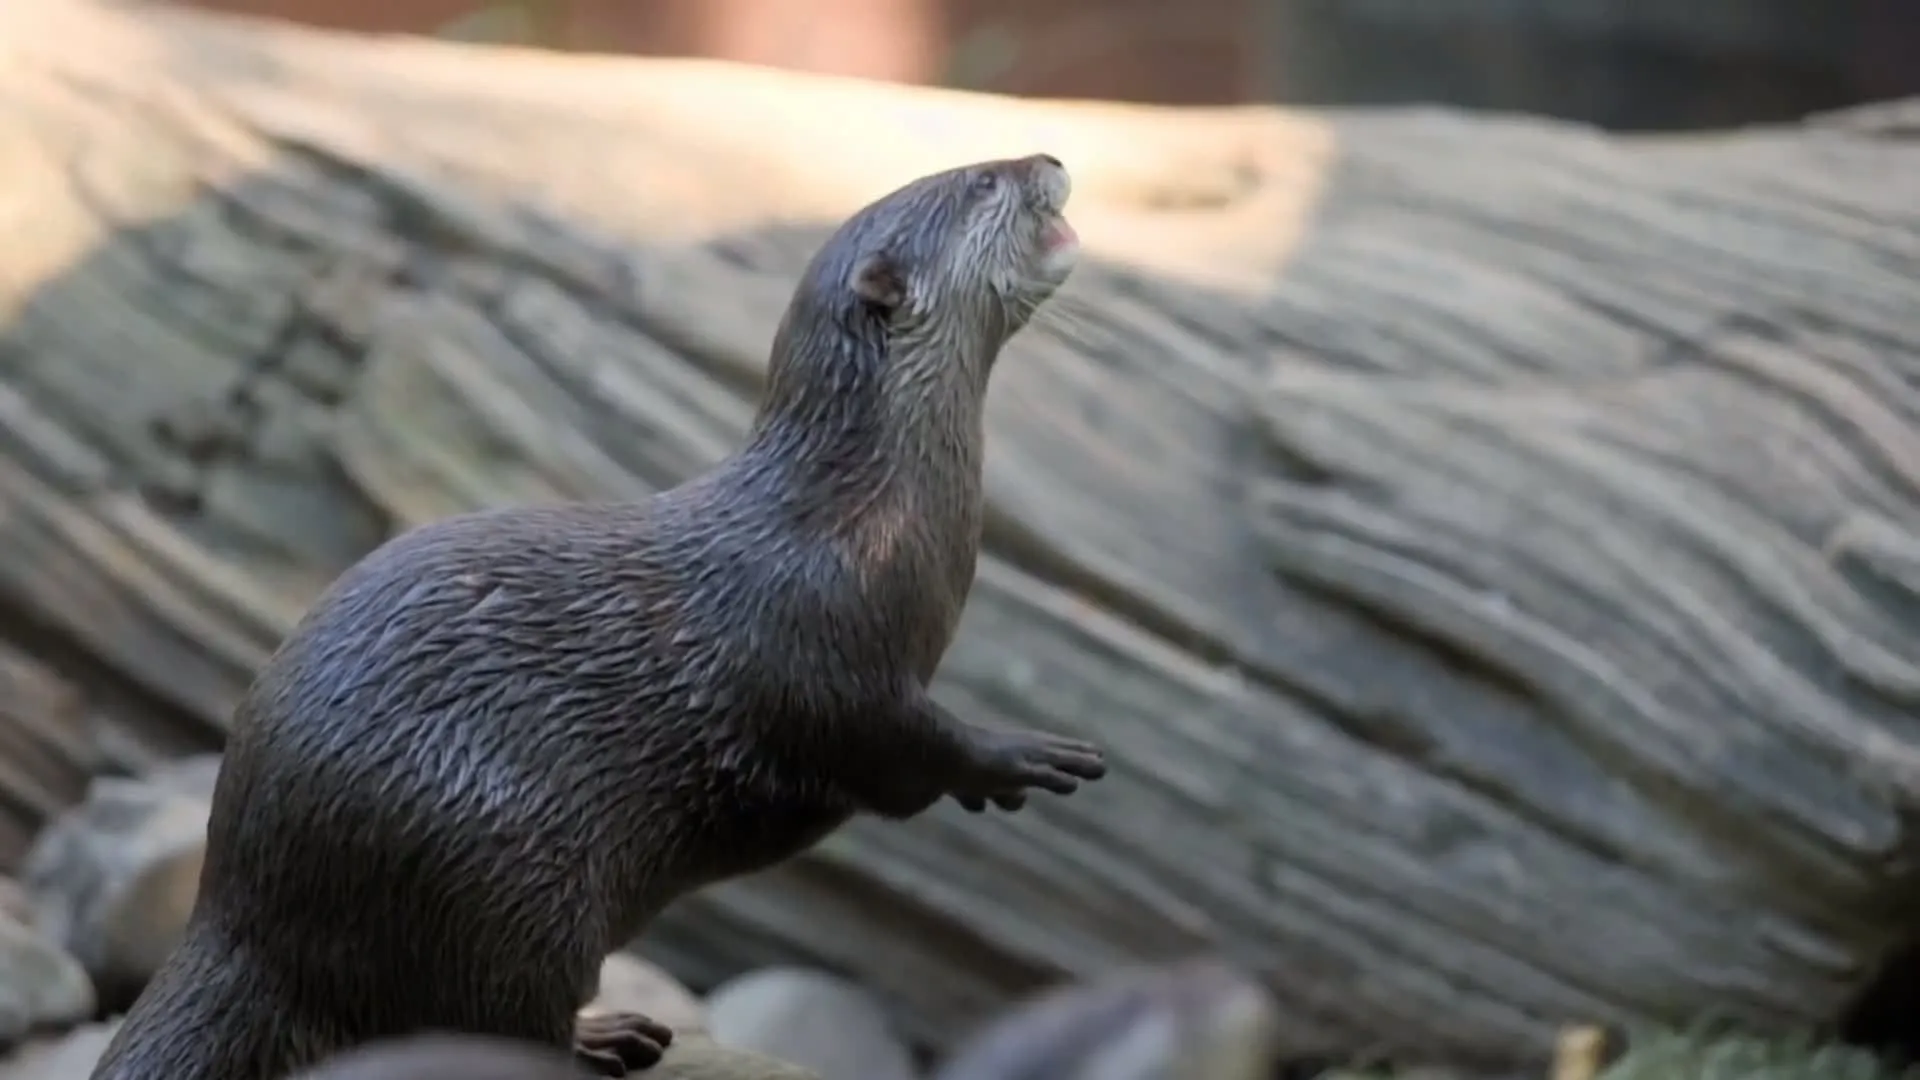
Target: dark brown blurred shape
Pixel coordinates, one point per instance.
(1708, 63)
(1195, 51)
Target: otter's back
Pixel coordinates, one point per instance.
(443, 711)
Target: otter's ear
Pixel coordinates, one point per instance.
(877, 280)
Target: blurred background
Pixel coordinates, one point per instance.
(1626, 64)
(1497, 595)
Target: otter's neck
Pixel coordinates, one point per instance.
(857, 429)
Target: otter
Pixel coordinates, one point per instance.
(494, 748)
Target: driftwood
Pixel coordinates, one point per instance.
(1484, 546)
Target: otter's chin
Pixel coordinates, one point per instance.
(1059, 251)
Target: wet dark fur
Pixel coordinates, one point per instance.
(497, 746)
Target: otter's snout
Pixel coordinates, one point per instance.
(1048, 184)
(1047, 187)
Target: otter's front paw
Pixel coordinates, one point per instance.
(1007, 763)
(614, 1044)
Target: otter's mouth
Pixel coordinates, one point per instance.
(1059, 247)
(1048, 188)
(1058, 234)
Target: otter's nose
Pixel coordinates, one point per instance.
(1049, 181)
(1041, 164)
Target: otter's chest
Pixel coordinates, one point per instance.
(914, 566)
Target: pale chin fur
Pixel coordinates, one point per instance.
(1059, 261)
(1063, 251)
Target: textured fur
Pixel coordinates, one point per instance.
(500, 743)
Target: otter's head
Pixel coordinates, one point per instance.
(966, 255)
(920, 289)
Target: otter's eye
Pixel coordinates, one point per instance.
(985, 183)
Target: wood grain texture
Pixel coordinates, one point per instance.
(1485, 547)
(46, 747)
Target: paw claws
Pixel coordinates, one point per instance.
(614, 1044)
(1028, 760)
(1010, 800)
(600, 1062)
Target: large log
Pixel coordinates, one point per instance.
(1485, 546)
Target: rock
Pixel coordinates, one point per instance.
(447, 1057)
(693, 1056)
(62, 1057)
(40, 984)
(630, 984)
(50, 739)
(696, 1056)
(1199, 1020)
(1584, 1051)
(16, 903)
(465, 1057)
(113, 879)
(820, 1021)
